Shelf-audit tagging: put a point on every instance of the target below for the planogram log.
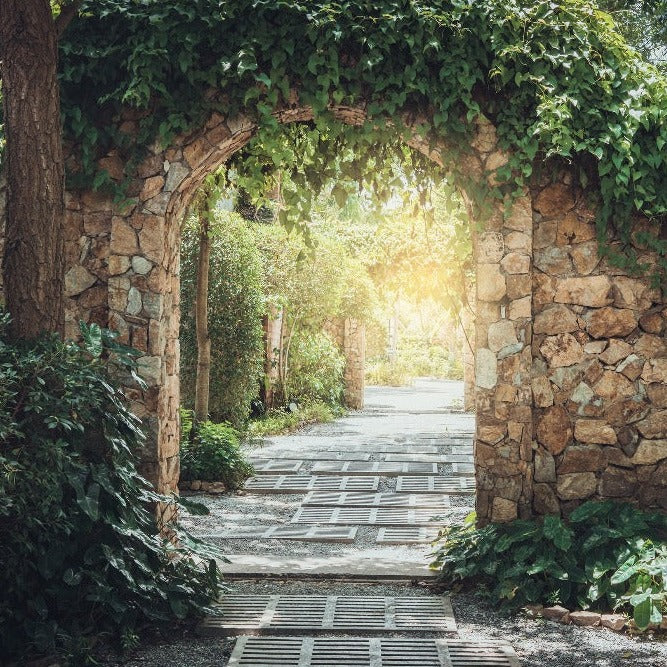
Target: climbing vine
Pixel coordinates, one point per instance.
(555, 77)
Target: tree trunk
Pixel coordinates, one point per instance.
(201, 321)
(33, 265)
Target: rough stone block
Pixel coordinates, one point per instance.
(594, 431)
(591, 291)
(576, 486)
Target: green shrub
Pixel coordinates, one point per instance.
(278, 422)
(387, 374)
(81, 554)
(607, 555)
(235, 310)
(213, 454)
(316, 370)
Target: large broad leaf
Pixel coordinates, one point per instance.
(642, 612)
(558, 532)
(92, 339)
(627, 570)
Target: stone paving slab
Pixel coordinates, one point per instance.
(370, 652)
(345, 567)
(463, 468)
(315, 455)
(330, 614)
(303, 483)
(450, 485)
(356, 498)
(333, 534)
(393, 516)
(275, 465)
(458, 458)
(406, 535)
(422, 458)
(384, 468)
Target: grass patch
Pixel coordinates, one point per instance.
(280, 422)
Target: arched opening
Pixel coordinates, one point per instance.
(503, 298)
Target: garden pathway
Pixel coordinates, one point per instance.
(350, 508)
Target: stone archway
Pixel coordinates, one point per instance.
(545, 309)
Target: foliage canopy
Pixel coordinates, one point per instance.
(556, 78)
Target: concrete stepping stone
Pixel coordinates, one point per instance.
(406, 535)
(458, 458)
(384, 468)
(360, 499)
(302, 483)
(369, 652)
(423, 458)
(316, 455)
(334, 534)
(275, 465)
(453, 485)
(463, 468)
(347, 567)
(393, 516)
(330, 614)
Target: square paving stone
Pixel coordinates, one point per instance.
(451, 485)
(369, 652)
(406, 535)
(330, 614)
(384, 468)
(360, 499)
(393, 516)
(303, 483)
(275, 465)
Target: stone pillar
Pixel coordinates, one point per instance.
(467, 323)
(503, 448)
(354, 347)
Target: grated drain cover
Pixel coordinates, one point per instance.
(453, 485)
(369, 652)
(301, 483)
(394, 516)
(260, 614)
(352, 498)
(402, 535)
(376, 467)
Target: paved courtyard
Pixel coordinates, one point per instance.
(329, 547)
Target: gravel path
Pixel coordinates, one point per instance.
(415, 417)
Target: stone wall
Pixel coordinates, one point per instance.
(570, 359)
(599, 370)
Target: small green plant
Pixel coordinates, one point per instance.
(316, 370)
(278, 422)
(212, 453)
(608, 555)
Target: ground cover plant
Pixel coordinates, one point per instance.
(81, 555)
(212, 453)
(280, 422)
(604, 556)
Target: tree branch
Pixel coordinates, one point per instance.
(67, 13)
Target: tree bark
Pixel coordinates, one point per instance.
(33, 265)
(202, 383)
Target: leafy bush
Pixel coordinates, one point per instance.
(277, 422)
(213, 454)
(235, 310)
(81, 554)
(316, 369)
(387, 374)
(606, 555)
(415, 361)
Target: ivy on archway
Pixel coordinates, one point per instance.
(554, 76)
